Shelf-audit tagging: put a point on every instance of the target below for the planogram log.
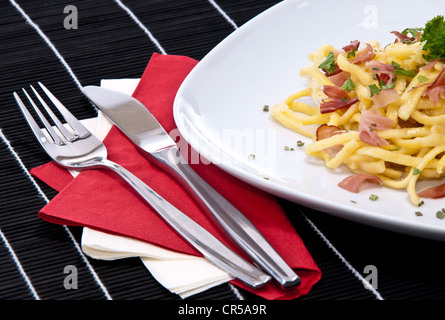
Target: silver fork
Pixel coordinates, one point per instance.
(75, 147)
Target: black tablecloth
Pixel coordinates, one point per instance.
(115, 39)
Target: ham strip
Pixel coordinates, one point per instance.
(403, 37)
(326, 131)
(338, 99)
(433, 192)
(384, 70)
(370, 122)
(353, 45)
(354, 182)
(335, 104)
(385, 97)
(363, 55)
(340, 78)
(430, 64)
(437, 88)
(335, 92)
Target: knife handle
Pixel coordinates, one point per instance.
(211, 248)
(232, 221)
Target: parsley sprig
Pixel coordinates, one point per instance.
(434, 35)
(374, 89)
(329, 64)
(403, 72)
(348, 85)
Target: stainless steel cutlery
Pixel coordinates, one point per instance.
(139, 125)
(72, 146)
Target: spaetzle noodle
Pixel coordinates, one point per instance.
(378, 103)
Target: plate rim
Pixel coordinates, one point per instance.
(367, 217)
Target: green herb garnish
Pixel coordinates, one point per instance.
(402, 72)
(434, 35)
(422, 79)
(387, 86)
(417, 171)
(374, 89)
(348, 85)
(351, 54)
(373, 197)
(329, 63)
(412, 31)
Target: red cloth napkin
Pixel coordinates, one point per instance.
(100, 200)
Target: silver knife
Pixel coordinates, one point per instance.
(138, 124)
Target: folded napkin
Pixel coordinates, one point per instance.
(101, 201)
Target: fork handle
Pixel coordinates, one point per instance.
(211, 248)
(232, 221)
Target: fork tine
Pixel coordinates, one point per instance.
(67, 134)
(81, 131)
(47, 125)
(34, 126)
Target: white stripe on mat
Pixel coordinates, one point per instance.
(223, 13)
(357, 274)
(141, 25)
(15, 155)
(19, 266)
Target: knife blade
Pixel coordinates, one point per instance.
(140, 126)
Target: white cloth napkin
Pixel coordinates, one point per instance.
(182, 274)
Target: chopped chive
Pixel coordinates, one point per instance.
(351, 54)
(266, 108)
(416, 171)
(300, 143)
(286, 148)
(421, 203)
(373, 197)
(440, 214)
(422, 79)
(251, 156)
(353, 201)
(418, 213)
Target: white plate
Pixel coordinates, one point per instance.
(218, 108)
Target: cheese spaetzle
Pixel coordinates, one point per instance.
(377, 110)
